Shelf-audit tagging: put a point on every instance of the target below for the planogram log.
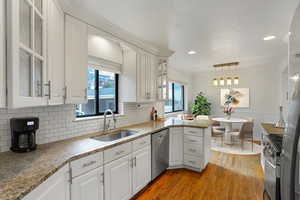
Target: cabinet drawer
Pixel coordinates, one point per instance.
(176, 130)
(86, 164)
(117, 152)
(193, 139)
(193, 149)
(192, 161)
(141, 142)
(193, 131)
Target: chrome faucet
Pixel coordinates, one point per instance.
(106, 126)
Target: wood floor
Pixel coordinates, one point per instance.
(227, 177)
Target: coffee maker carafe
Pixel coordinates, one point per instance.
(23, 132)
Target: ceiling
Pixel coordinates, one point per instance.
(219, 31)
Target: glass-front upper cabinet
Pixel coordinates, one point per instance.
(27, 53)
(162, 81)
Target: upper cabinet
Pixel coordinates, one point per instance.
(138, 79)
(26, 53)
(2, 54)
(56, 53)
(76, 60)
(162, 81)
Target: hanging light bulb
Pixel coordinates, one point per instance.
(236, 80)
(229, 81)
(222, 81)
(215, 82)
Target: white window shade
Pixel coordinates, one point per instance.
(105, 65)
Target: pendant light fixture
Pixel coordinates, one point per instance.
(229, 79)
(215, 82)
(222, 81)
(236, 80)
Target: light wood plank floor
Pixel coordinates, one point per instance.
(227, 177)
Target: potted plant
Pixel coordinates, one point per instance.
(201, 105)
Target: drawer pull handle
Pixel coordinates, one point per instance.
(193, 162)
(120, 152)
(192, 131)
(144, 142)
(89, 164)
(193, 140)
(192, 150)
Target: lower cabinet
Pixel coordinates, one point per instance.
(128, 175)
(118, 179)
(141, 175)
(89, 186)
(57, 187)
(176, 147)
(189, 147)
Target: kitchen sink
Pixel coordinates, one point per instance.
(115, 136)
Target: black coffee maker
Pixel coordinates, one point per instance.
(23, 134)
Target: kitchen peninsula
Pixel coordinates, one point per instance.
(21, 174)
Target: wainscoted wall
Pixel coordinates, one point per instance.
(58, 122)
(264, 84)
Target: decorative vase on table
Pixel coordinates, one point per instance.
(228, 111)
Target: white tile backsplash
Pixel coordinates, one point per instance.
(58, 122)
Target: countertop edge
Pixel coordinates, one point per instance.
(78, 156)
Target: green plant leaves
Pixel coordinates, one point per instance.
(201, 105)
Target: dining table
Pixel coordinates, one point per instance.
(227, 122)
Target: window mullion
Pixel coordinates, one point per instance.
(97, 92)
(173, 100)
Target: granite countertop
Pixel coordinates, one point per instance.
(271, 129)
(20, 173)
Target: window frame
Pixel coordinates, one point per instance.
(173, 99)
(97, 106)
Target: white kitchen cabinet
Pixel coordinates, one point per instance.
(2, 55)
(118, 179)
(55, 187)
(141, 174)
(176, 147)
(55, 58)
(138, 79)
(26, 53)
(162, 81)
(89, 186)
(76, 60)
(196, 147)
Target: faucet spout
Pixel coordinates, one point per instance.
(106, 126)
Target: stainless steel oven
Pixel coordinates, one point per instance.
(272, 150)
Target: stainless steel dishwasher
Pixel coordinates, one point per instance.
(160, 152)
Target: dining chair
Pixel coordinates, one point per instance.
(217, 131)
(245, 133)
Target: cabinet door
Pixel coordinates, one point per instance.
(56, 63)
(162, 81)
(76, 56)
(141, 175)
(118, 179)
(26, 55)
(176, 147)
(152, 66)
(56, 187)
(89, 186)
(2, 54)
(142, 77)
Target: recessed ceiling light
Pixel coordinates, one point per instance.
(192, 52)
(271, 37)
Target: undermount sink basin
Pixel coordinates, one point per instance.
(115, 136)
